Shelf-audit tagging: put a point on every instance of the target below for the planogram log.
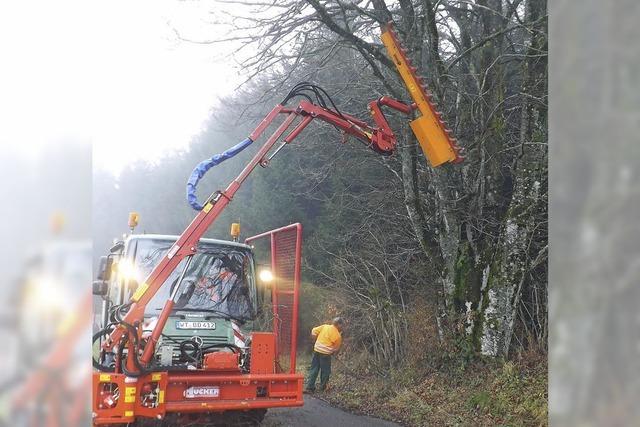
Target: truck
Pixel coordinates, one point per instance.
(224, 323)
(182, 341)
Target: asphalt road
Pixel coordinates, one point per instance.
(318, 413)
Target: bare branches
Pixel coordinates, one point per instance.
(412, 229)
(487, 39)
(326, 18)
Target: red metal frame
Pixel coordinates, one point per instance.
(297, 228)
(274, 295)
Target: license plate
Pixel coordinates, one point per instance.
(202, 392)
(188, 324)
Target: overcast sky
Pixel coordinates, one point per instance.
(112, 72)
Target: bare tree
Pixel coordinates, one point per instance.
(482, 226)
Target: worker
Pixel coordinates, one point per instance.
(327, 340)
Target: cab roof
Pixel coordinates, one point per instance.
(170, 238)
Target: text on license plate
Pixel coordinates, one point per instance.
(188, 324)
(207, 392)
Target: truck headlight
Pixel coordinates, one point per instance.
(127, 270)
(265, 276)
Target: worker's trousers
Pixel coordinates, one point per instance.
(320, 363)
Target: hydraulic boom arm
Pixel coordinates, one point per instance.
(429, 129)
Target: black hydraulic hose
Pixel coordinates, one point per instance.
(141, 369)
(330, 100)
(319, 92)
(197, 351)
(116, 316)
(117, 313)
(103, 368)
(96, 364)
(194, 354)
(303, 95)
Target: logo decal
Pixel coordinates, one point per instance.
(202, 392)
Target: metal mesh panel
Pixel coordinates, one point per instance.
(284, 249)
(284, 272)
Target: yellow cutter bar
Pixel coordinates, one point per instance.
(433, 136)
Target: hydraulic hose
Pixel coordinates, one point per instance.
(132, 331)
(96, 364)
(205, 165)
(193, 351)
(141, 369)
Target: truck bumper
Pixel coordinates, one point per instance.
(118, 399)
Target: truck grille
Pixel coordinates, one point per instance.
(175, 340)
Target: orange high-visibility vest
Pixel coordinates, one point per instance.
(328, 339)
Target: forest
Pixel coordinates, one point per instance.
(440, 273)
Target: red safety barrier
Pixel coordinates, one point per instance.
(285, 252)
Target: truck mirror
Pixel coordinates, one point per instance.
(104, 268)
(117, 247)
(100, 288)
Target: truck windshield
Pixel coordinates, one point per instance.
(219, 280)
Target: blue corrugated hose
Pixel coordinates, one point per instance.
(205, 165)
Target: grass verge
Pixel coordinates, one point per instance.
(485, 393)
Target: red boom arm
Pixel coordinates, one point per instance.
(380, 139)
